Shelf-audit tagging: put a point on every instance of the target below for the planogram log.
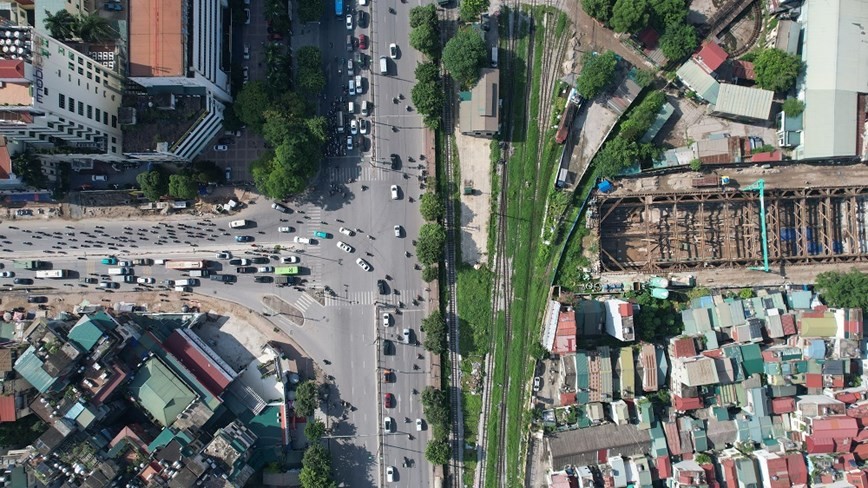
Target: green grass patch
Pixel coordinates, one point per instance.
(472, 409)
(474, 309)
(561, 26)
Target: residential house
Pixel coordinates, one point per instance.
(626, 372)
(619, 320)
(565, 335)
(773, 469)
(742, 103)
(479, 108)
(687, 473)
(578, 448)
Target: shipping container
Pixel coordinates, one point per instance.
(705, 182)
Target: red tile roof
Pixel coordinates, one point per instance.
(685, 404)
(861, 452)
(564, 344)
(625, 309)
(858, 478)
(817, 445)
(193, 358)
(770, 357)
(565, 335)
(684, 347)
(783, 405)
(711, 56)
(568, 399)
(814, 380)
(835, 427)
(664, 467)
(11, 69)
(788, 321)
(766, 157)
(778, 476)
(649, 38)
(673, 438)
(847, 397)
(116, 380)
(862, 436)
(730, 476)
(7, 408)
(743, 70)
(797, 469)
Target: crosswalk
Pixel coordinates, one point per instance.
(304, 302)
(371, 297)
(363, 172)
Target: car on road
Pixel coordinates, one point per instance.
(365, 109)
(388, 400)
(349, 143)
(361, 60)
(381, 287)
(247, 51)
(7, 274)
(223, 255)
(146, 281)
(225, 278)
(346, 232)
(243, 238)
(170, 282)
(396, 161)
(363, 264)
(351, 86)
(388, 347)
(363, 126)
(89, 281)
(263, 279)
(125, 264)
(302, 240)
(228, 173)
(393, 51)
(239, 262)
(129, 279)
(398, 231)
(388, 376)
(113, 7)
(245, 269)
(37, 299)
(143, 261)
(349, 21)
(354, 127)
(260, 260)
(245, 73)
(265, 269)
(358, 84)
(388, 424)
(221, 147)
(387, 319)
(322, 235)
(394, 191)
(289, 259)
(109, 284)
(405, 334)
(419, 425)
(363, 40)
(390, 474)
(110, 261)
(343, 246)
(281, 208)
(22, 281)
(537, 383)
(247, 16)
(285, 229)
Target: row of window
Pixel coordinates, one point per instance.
(92, 113)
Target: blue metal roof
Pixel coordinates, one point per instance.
(29, 366)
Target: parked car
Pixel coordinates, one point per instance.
(239, 262)
(109, 284)
(22, 281)
(419, 425)
(89, 281)
(285, 229)
(343, 246)
(260, 260)
(247, 51)
(224, 255)
(263, 279)
(265, 269)
(346, 232)
(146, 281)
(390, 474)
(221, 147)
(247, 16)
(281, 208)
(349, 22)
(36, 299)
(111, 260)
(363, 41)
(322, 235)
(381, 287)
(363, 126)
(363, 264)
(388, 424)
(243, 238)
(388, 400)
(289, 259)
(7, 274)
(398, 231)
(406, 335)
(387, 319)
(394, 191)
(354, 127)
(393, 51)
(302, 240)
(245, 270)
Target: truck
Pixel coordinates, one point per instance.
(187, 282)
(284, 280)
(52, 273)
(199, 273)
(185, 264)
(26, 264)
(709, 181)
(143, 261)
(286, 270)
(239, 224)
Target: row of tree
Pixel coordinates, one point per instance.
(316, 465)
(435, 404)
(625, 148)
(64, 26)
(158, 182)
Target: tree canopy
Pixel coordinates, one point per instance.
(306, 398)
(597, 71)
(316, 466)
(429, 246)
(642, 116)
(435, 332)
(61, 24)
(599, 9)
(29, 168)
(616, 155)
(431, 206)
(314, 430)
(438, 451)
(251, 104)
(183, 186)
(311, 77)
(311, 10)
(471, 9)
(464, 55)
(425, 30)
(629, 15)
(667, 13)
(427, 94)
(436, 405)
(154, 184)
(839, 289)
(678, 41)
(776, 70)
(656, 319)
(793, 107)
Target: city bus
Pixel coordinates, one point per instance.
(286, 270)
(185, 264)
(54, 273)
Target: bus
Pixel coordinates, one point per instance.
(185, 264)
(286, 270)
(339, 8)
(53, 273)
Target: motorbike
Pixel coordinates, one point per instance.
(391, 10)
(394, 129)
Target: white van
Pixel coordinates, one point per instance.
(351, 107)
(384, 65)
(494, 57)
(183, 289)
(118, 271)
(160, 261)
(364, 108)
(238, 224)
(193, 282)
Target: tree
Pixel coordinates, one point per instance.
(62, 25)
(316, 466)
(668, 13)
(306, 398)
(644, 77)
(464, 55)
(430, 273)
(657, 319)
(427, 94)
(597, 71)
(435, 332)
(311, 77)
(629, 15)
(702, 458)
(696, 164)
(318, 128)
(29, 168)
(311, 10)
(431, 207)
(183, 186)
(793, 107)
(746, 293)
(844, 290)
(314, 430)
(599, 9)
(429, 246)
(251, 103)
(93, 28)
(207, 172)
(642, 116)
(438, 451)
(436, 405)
(422, 15)
(616, 155)
(154, 184)
(776, 70)
(425, 33)
(470, 9)
(678, 41)
(21, 433)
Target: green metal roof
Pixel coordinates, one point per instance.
(161, 392)
(7, 331)
(819, 327)
(753, 359)
(699, 81)
(29, 366)
(582, 380)
(85, 334)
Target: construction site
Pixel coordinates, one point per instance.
(785, 224)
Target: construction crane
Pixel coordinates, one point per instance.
(760, 187)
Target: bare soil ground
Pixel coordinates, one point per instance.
(474, 154)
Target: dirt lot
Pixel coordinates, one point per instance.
(474, 154)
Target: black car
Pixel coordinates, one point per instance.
(381, 286)
(243, 238)
(235, 261)
(224, 278)
(260, 260)
(91, 281)
(388, 347)
(263, 279)
(245, 269)
(22, 281)
(396, 161)
(36, 299)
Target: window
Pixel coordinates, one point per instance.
(98, 80)
(98, 114)
(61, 100)
(45, 91)
(80, 70)
(61, 50)
(71, 66)
(71, 104)
(114, 140)
(89, 112)
(80, 60)
(89, 65)
(114, 121)
(89, 75)
(80, 108)
(71, 56)
(105, 118)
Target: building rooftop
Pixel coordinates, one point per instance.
(698, 80)
(710, 57)
(161, 392)
(743, 102)
(583, 446)
(201, 360)
(157, 38)
(480, 113)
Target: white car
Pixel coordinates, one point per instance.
(247, 51)
(284, 229)
(301, 240)
(352, 86)
(393, 51)
(390, 474)
(7, 274)
(265, 269)
(221, 147)
(343, 246)
(388, 424)
(397, 231)
(358, 84)
(146, 281)
(387, 319)
(224, 255)
(406, 335)
(349, 143)
(349, 21)
(419, 425)
(354, 127)
(289, 259)
(363, 2)
(125, 264)
(394, 190)
(346, 232)
(363, 126)
(363, 264)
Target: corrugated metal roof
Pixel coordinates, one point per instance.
(85, 334)
(705, 86)
(663, 116)
(743, 101)
(29, 366)
(819, 326)
(753, 359)
(160, 391)
(7, 408)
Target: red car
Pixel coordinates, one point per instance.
(388, 400)
(363, 41)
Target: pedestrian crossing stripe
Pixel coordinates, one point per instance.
(304, 302)
(370, 298)
(365, 172)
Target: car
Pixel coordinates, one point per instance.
(89, 281)
(183, 289)
(170, 282)
(284, 229)
(349, 143)
(129, 279)
(36, 299)
(351, 85)
(346, 232)
(109, 284)
(322, 235)
(365, 110)
(125, 264)
(247, 51)
(228, 173)
(243, 238)
(354, 127)
(381, 287)
(390, 474)
(363, 41)
(263, 279)
(398, 231)
(388, 424)
(358, 84)
(406, 335)
(350, 22)
(363, 2)
(245, 74)
(113, 7)
(419, 425)
(388, 347)
(239, 262)
(363, 264)
(393, 51)
(22, 281)
(394, 190)
(111, 261)
(143, 261)
(343, 246)
(387, 319)
(7, 274)
(396, 161)
(363, 126)
(350, 42)
(260, 260)
(98, 178)
(221, 147)
(247, 16)
(388, 400)
(225, 278)
(146, 281)
(302, 240)
(245, 269)
(360, 60)
(223, 255)
(281, 208)
(289, 259)
(265, 269)
(388, 376)
(350, 68)
(537, 383)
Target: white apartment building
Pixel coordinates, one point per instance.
(51, 93)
